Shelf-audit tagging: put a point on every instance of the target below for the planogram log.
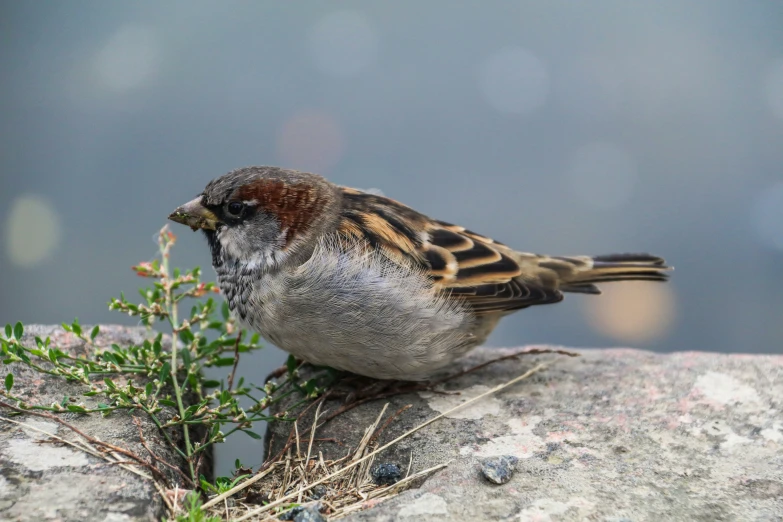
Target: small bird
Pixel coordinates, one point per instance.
(360, 282)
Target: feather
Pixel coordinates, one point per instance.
(486, 275)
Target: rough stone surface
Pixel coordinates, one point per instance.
(40, 480)
(612, 435)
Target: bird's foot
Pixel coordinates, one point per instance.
(279, 372)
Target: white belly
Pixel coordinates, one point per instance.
(362, 314)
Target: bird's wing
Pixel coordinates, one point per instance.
(487, 275)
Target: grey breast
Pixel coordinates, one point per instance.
(359, 312)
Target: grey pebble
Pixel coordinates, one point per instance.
(386, 474)
(304, 514)
(309, 514)
(318, 491)
(499, 470)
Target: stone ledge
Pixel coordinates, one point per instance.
(615, 434)
(44, 481)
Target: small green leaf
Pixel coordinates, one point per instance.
(76, 327)
(186, 336)
(290, 363)
(224, 361)
(94, 332)
(9, 382)
(148, 389)
(211, 384)
(252, 434)
(9, 332)
(168, 402)
(18, 330)
(224, 311)
(75, 408)
(19, 352)
(103, 406)
(165, 372)
(186, 358)
(190, 411)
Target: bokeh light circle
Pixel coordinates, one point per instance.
(632, 311)
(32, 230)
(129, 60)
(310, 140)
(514, 81)
(343, 43)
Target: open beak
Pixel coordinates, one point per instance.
(195, 215)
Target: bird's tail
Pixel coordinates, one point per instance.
(580, 274)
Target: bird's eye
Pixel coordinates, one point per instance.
(235, 208)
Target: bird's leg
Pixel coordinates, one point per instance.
(370, 389)
(279, 372)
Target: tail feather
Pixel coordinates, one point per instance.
(586, 272)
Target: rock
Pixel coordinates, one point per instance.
(305, 513)
(41, 480)
(611, 435)
(309, 514)
(386, 474)
(318, 491)
(499, 469)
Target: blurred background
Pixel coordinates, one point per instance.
(556, 127)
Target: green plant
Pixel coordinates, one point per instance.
(172, 366)
(193, 512)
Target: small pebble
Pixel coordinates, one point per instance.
(499, 470)
(309, 513)
(386, 474)
(256, 497)
(318, 492)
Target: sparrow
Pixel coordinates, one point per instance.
(362, 283)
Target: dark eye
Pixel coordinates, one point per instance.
(235, 208)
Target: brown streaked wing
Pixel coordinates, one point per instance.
(469, 266)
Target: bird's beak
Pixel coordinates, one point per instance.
(195, 215)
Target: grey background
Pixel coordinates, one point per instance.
(557, 127)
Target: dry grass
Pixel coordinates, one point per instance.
(289, 479)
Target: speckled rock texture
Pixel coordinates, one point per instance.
(42, 481)
(613, 435)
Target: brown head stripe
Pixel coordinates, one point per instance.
(296, 206)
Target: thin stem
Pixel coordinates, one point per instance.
(24, 406)
(171, 308)
(165, 434)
